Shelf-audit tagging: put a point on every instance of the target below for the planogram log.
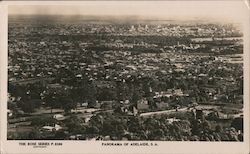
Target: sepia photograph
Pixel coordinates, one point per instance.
(112, 71)
(123, 77)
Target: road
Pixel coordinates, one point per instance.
(162, 112)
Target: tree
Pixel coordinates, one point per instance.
(34, 135)
(195, 127)
(26, 106)
(105, 94)
(91, 93)
(67, 103)
(93, 130)
(218, 128)
(52, 100)
(74, 125)
(237, 123)
(60, 135)
(41, 121)
(136, 96)
(134, 125)
(157, 134)
(206, 126)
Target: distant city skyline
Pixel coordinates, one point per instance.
(180, 10)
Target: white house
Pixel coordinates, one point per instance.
(51, 128)
(58, 117)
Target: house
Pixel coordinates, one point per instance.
(126, 102)
(76, 137)
(58, 117)
(142, 104)
(162, 105)
(178, 92)
(107, 105)
(132, 110)
(52, 128)
(171, 120)
(48, 128)
(86, 117)
(167, 93)
(95, 105)
(10, 113)
(85, 104)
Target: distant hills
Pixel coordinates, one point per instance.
(105, 19)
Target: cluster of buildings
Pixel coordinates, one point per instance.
(176, 76)
(127, 28)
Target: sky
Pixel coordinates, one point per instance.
(234, 10)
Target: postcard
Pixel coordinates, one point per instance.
(124, 77)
